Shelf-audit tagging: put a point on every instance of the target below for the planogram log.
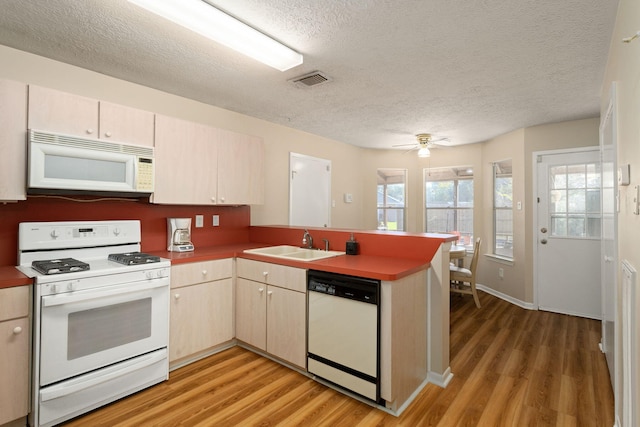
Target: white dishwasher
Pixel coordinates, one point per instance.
(344, 331)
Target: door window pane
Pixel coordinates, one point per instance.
(575, 193)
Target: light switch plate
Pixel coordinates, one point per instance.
(216, 220)
(199, 221)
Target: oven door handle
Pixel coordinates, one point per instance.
(79, 384)
(70, 298)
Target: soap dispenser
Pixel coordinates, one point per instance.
(352, 246)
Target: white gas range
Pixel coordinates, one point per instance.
(100, 315)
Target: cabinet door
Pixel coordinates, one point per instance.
(186, 158)
(274, 274)
(14, 369)
(13, 127)
(125, 124)
(55, 111)
(240, 169)
(251, 313)
(286, 325)
(201, 318)
(198, 272)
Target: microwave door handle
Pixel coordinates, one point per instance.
(76, 385)
(61, 299)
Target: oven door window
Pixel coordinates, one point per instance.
(99, 329)
(81, 334)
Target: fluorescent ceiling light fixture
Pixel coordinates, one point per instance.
(424, 152)
(206, 20)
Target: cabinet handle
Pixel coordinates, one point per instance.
(261, 290)
(222, 199)
(89, 131)
(204, 272)
(177, 296)
(213, 199)
(265, 273)
(107, 134)
(17, 330)
(269, 293)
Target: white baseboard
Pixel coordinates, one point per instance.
(441, 380)
(512, 300)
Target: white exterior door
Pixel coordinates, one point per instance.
(569, 222)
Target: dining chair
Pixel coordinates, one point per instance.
(463, 280)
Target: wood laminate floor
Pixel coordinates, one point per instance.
(512, 367)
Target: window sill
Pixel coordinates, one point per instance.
(500, 259)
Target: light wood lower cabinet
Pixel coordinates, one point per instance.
(271, 309)
(201, 308)
(14, 348)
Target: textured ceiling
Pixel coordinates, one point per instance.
(465, 70)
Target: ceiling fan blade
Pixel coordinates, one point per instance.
(405, 145)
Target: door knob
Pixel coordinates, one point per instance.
(543, 241)
(543, 230)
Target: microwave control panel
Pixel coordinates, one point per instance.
(144, 178)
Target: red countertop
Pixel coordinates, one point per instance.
(10, 276)
(383, 256)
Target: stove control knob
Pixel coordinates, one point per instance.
(116, 231)
(54, 289)
(70, 286)
(54, 233)
(149, 274)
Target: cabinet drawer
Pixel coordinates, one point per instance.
(200, 272)
(273, 274)
(14, 302)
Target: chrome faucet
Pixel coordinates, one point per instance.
(307, 240)
(326, 244)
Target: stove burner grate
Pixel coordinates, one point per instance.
(58, 266)
(133, 258)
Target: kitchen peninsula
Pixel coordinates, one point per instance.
(413, 271)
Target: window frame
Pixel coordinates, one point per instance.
(401, 211)
(456, 174)
(502, 169)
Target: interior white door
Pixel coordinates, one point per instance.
(309, 191)
(609, 252)
(568, 233)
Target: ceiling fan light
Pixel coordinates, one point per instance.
(424, 152)
(206, 20)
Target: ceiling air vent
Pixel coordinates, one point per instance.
(312, 79)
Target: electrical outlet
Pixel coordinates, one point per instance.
(216, 220)
(199, 221)
(501, 273)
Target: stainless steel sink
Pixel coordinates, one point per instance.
(294, 253)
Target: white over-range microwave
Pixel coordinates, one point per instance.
(68, 164)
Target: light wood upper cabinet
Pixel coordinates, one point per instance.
(201, 312)
(67, 113)
(186, 156)
(202, 165)
(240, 169)
(125, 124)
(13, 125)
(14, 347)
(62, 112)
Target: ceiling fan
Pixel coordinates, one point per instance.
(425, 142)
